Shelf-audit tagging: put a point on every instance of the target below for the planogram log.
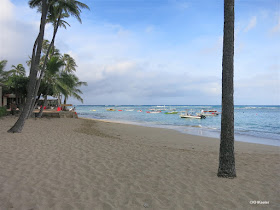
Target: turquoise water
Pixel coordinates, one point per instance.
(256, 124)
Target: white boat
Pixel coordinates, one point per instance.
(161, 108)
(191, 115)
(129, 110)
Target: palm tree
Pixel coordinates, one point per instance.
(226, 157)
(70, 64)
(36, 55)
(72, 83)
(3, 73)
(50, 78)
(18, 70)
(59, 9)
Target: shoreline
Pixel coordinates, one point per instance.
(66, 163)
(194, 130)
(193, 139)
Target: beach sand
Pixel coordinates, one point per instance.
(89, 164)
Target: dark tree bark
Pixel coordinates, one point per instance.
(17, 128)
(44, 65)
(226, 159)
(44, 104)
(64, 107)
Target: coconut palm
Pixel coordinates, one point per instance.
(3, 64)
(36, 55)
(51, 77)
(54, 51)
(70, 64)
(18, 70)
(3, 74)
(59, 9)
(72, 83)
(226, 158)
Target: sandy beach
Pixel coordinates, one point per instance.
(89, 164)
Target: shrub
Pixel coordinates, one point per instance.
(3, 111)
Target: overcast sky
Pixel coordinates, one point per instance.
(158, 51)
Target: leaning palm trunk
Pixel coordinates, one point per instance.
(64, 107)
(226, 159)
(44, 65)
(37, 100)
(17, 128)
(42, 108)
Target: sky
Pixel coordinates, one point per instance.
(161, 52)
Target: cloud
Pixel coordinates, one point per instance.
(181, 4)
(140, 86)
(16, 37)
(145, 63)
(6, 10)
(216, 47)
(150, 29)
(276, 28)
(252, 24)
(263, 85)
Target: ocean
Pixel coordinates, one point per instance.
(255, 124)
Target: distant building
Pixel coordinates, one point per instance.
(6, 99)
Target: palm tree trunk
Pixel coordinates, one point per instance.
(44, 104)
(45, 62)
(18, 126)
(36, 103)
(226, 158)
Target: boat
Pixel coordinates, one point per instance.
(129, 110)
(210, 113)
(191, 115)
(171, 112)
(110, 109)
(161, 108)
(93, 110)
(139, 110)
(153, 112)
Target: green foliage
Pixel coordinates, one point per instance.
(18, 70)
(3, 111)
(58, 77)
(17, 84)
(3, 74)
